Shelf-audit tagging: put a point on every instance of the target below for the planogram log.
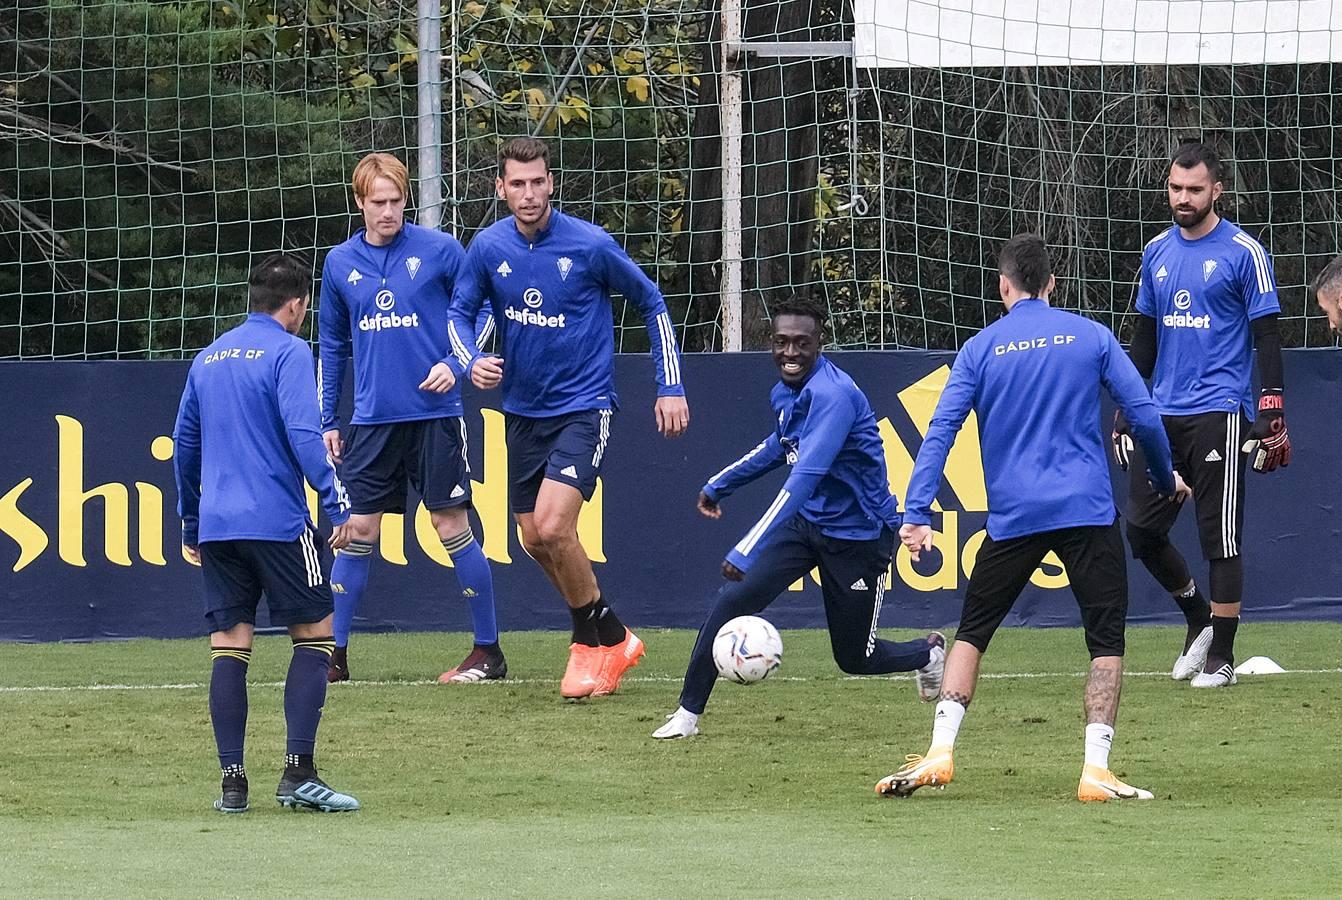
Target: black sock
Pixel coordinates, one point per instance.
(584, 625)
(1223, 642)
(609, 628)
(300, 762)
(1197, 612)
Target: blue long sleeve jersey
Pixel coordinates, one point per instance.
(827, 432)
(390, 305)
(247, 434)
(550, 299)
(1203, 295)
(1034, 377)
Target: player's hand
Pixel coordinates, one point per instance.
(709, 507)
(1268, 441)
(440, 379)
(191, 553)
(1122, 439)
(487, 372)
(917, 538)
(1182, 491)
(341, 535)
(334, 445)
(731, 573)
(673, 416)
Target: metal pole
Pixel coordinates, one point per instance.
(430, 182)
(452, 113)
(730, 95)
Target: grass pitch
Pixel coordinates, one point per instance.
(503, 790)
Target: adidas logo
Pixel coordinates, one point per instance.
(457, 491)
(569, 471)
(1161, 274)
(1212, 457)
(859, 585)
(468, 592)
(504, 269)
(354, 276)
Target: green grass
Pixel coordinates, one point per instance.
(504, 790)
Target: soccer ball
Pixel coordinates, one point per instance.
(747, 649)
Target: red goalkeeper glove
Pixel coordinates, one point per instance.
(1268, 441)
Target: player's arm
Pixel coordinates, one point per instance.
(623, 275)
(1142, 352)
(333, 350)
(469, 294)
(766, 456)
(1124, 383)
(1269, 444)
(822, 437)
(957, 399)
(186, 461)
(294, 386)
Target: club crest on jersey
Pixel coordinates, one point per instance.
(412, 264)
(565, 264)
(1162, 274)
(354, 276)
(504, 269)
(1208, 267)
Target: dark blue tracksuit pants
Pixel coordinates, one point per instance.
(852, 580)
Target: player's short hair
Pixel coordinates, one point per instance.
(379, 165)
(799, 306)
(523, 149)
(276, 280)
(1191, 154)
(1329, 281)
(1025, 263)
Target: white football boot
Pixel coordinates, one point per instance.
(1224, 676)
(1191, 662)
(681, 723)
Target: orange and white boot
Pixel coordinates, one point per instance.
(616, 661)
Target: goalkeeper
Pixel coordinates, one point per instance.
(1206, 297)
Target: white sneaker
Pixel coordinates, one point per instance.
(1191, 663)
(928, 678)
(1222, 677)
(681, 723)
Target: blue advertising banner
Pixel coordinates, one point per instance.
(89, 538)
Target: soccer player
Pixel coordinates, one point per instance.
(247, 434)
(548, 278)
(1205, 299)
(1327, 291)
(386, 292)
(1034, 378)
(835, 512)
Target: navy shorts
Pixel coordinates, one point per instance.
(429, 453)
(568, 448)
(293, 575)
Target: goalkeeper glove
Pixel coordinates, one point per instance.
(1122, 438)
(1268, 441)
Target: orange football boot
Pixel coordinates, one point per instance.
(616, 661)
(582, 672)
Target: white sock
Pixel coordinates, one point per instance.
(1099, 738)
(946, 724)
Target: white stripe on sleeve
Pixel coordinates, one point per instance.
(753, 535)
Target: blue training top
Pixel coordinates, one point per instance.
(1203, 294)
(1034, 377)
(247, 434)
(390, 305)
(827, 432)
(551, 302)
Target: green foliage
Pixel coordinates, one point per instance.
(505, 790)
